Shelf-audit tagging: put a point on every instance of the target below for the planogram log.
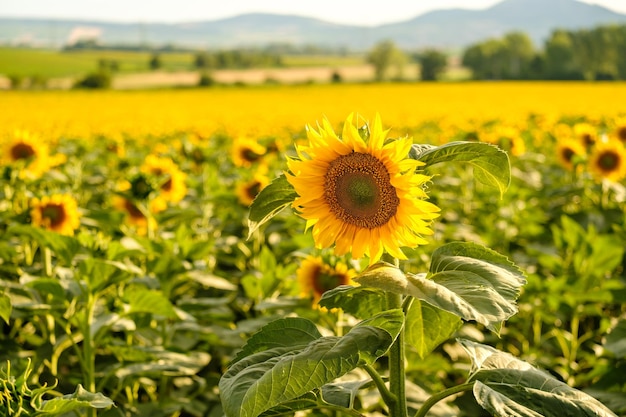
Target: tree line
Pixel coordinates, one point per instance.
(586, 54)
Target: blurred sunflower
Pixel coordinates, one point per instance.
(315, 277)
(608, 160)
(248, 190)
(364, 197)
(246, 151)
(172, 180)
(128, 202)
(58, 212)
(31, 153)
(570, 152)
(586, 134)
(620, 130)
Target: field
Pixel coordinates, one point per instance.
(157, 260)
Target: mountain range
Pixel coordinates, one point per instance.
(445, 28)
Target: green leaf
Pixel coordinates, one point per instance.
(143, 300)
(615, 341)
(468, 280)
(427, 327)
(65, 247)
(271, 377)
(491, 164)
(81, 398)
(290, 331)
(5, 307)
(361, 302)
(269, 202)
(507, 386)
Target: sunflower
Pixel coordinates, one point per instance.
(246, 151)
(608, 160)
(586, 134)
(136, 217)
(363, 196)
(248, 190)
(58, 212)
(315, 277)
(173, 187)
(31, 154)
(569, 152)
(620, 130)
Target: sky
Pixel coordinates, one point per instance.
(353, 12)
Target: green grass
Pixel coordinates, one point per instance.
(54, 63)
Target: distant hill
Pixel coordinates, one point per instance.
(449, 28)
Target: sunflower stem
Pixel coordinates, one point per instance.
(396, 365)
(434, 399)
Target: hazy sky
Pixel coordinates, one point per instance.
(357, 12)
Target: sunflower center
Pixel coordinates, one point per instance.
(608, 161)
(249, 155)
(324, 280)
(54, 213)
(621, 133)
(568, 154)
(359, 192)
(253, 189)
(22, 151)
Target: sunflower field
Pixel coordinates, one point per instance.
(394, 249)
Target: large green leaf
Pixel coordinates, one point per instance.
(427, 327)
(290, 331)
(65, 247)
(269, 202)
(491, 164)
(271, 377)
(465, 279)
(361, 302)
(507, 386)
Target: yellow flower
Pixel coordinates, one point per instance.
(608, 160)
(173, 187)
(315, 277)
(569, 152)
(620, 130)
(32, 153)
(248, 190)
(246, 151)
(364, 197)
(586, 134)
(58, 212)
(134, 216)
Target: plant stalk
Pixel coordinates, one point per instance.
(434, 399)
(396, 365)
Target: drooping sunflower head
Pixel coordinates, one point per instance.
(315, 277)
(246, 151)
(570, 152)
(364, 196)
(608, 160)
(58, 212)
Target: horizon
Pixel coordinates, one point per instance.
(359, 15)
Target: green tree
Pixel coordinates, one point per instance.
(384, 55)
(560, 57)
(432, 64)
(155, 62)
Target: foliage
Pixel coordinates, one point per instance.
(94, 80)
(383, 56)
(151, 316)
(432, 64)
